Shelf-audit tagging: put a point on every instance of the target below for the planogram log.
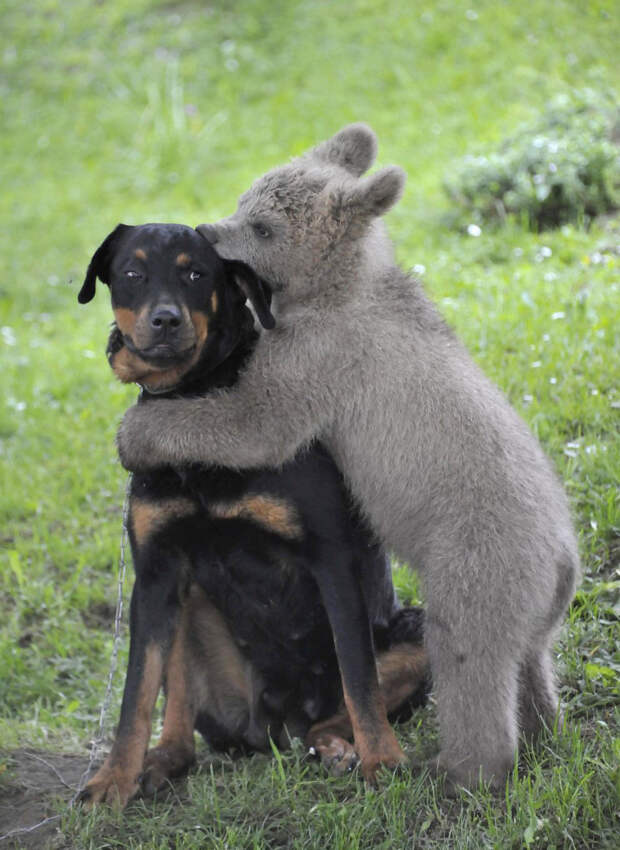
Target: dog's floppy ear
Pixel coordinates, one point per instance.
(99, 266)
(254, 289)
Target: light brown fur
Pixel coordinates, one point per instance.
(274, 514)
(147, 517)
(129, 367)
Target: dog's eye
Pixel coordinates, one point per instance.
(194, 275)
(132, 274)
(261, 230)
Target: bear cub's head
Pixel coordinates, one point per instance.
(312, 224)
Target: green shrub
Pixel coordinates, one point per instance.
(563, 167)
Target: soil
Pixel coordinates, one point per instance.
(31, 789)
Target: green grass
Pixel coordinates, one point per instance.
(145, 111)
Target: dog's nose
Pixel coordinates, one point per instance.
(208, 231)
(164, 318)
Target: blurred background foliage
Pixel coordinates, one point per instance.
(562, 167)
(165, 110)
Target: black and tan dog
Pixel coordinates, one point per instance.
(260, 597)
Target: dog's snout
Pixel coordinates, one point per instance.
(166, 318)
(208, 231)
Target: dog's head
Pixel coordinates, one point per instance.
(175, 301)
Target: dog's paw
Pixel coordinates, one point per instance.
(112, 786)
(337, 755)
(391, 760)
(163, 764)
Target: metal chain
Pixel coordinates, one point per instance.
(105, 705)
(118, 620)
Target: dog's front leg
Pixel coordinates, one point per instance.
(152, 624)
(175, 751)
(374, 739)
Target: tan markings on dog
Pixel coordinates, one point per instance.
(374, 738)
(116, 781)
(174, 752)
(140, 253)
(225, 684)
(401, 670)
(126, 320)
(178, 719)
(127, 366)
(214, 644)
(214, 302)
(148, 517)
(337, 726)
(135, 324)
(200, 322)
(272, 513)
(131, 368)
(150, 684)
(183, 260)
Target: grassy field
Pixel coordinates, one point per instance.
(164, 111)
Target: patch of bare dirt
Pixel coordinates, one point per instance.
(30, 788)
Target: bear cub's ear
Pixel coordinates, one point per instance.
(353, 148)
(369, 197)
